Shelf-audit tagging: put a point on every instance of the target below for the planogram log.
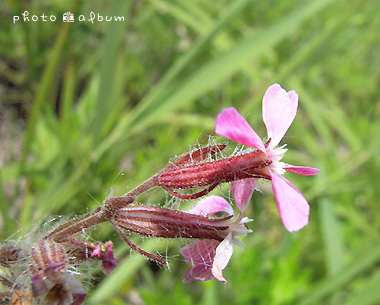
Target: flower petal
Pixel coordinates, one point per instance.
(242, 191)
(198, 273)
(222, 257)
(109, 261)
(211, 205)
(279, 110)
(201, 252)
(292, 206)
(217, 272)
(105, 254)
(232, 125)
(302, 170)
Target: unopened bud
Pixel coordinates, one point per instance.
(210, 174)
(166, 223)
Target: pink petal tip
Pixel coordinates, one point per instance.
(232, 125)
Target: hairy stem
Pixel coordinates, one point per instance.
(69, 229)
(137, 249)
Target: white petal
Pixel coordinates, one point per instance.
(222, 257)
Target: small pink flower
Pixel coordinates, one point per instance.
(210, 257)
(105, 254)
(102, 252)
(279, 110)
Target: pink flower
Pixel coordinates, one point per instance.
(105, 254)
(102, 252)
(279, 110)
(210, 257)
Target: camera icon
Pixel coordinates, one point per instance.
(68, 17)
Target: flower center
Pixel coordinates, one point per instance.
(275, 155)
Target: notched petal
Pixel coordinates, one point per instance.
(279, 111)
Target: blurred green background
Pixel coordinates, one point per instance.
(89, 110)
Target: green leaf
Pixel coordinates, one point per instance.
(332, 238)
(330, 285)
(369, 293)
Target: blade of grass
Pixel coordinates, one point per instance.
(160, 91)
(7, 222)
(129, 119)
(67, 102)
(115, 35)
(46, 85)
(161, 101)
(123, 274)
(369, 293)
(224, 65)
(181, 14)
(331, 285)
(332, 238)
(62, 188)
(312, 46)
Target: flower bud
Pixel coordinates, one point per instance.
(210, 174)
